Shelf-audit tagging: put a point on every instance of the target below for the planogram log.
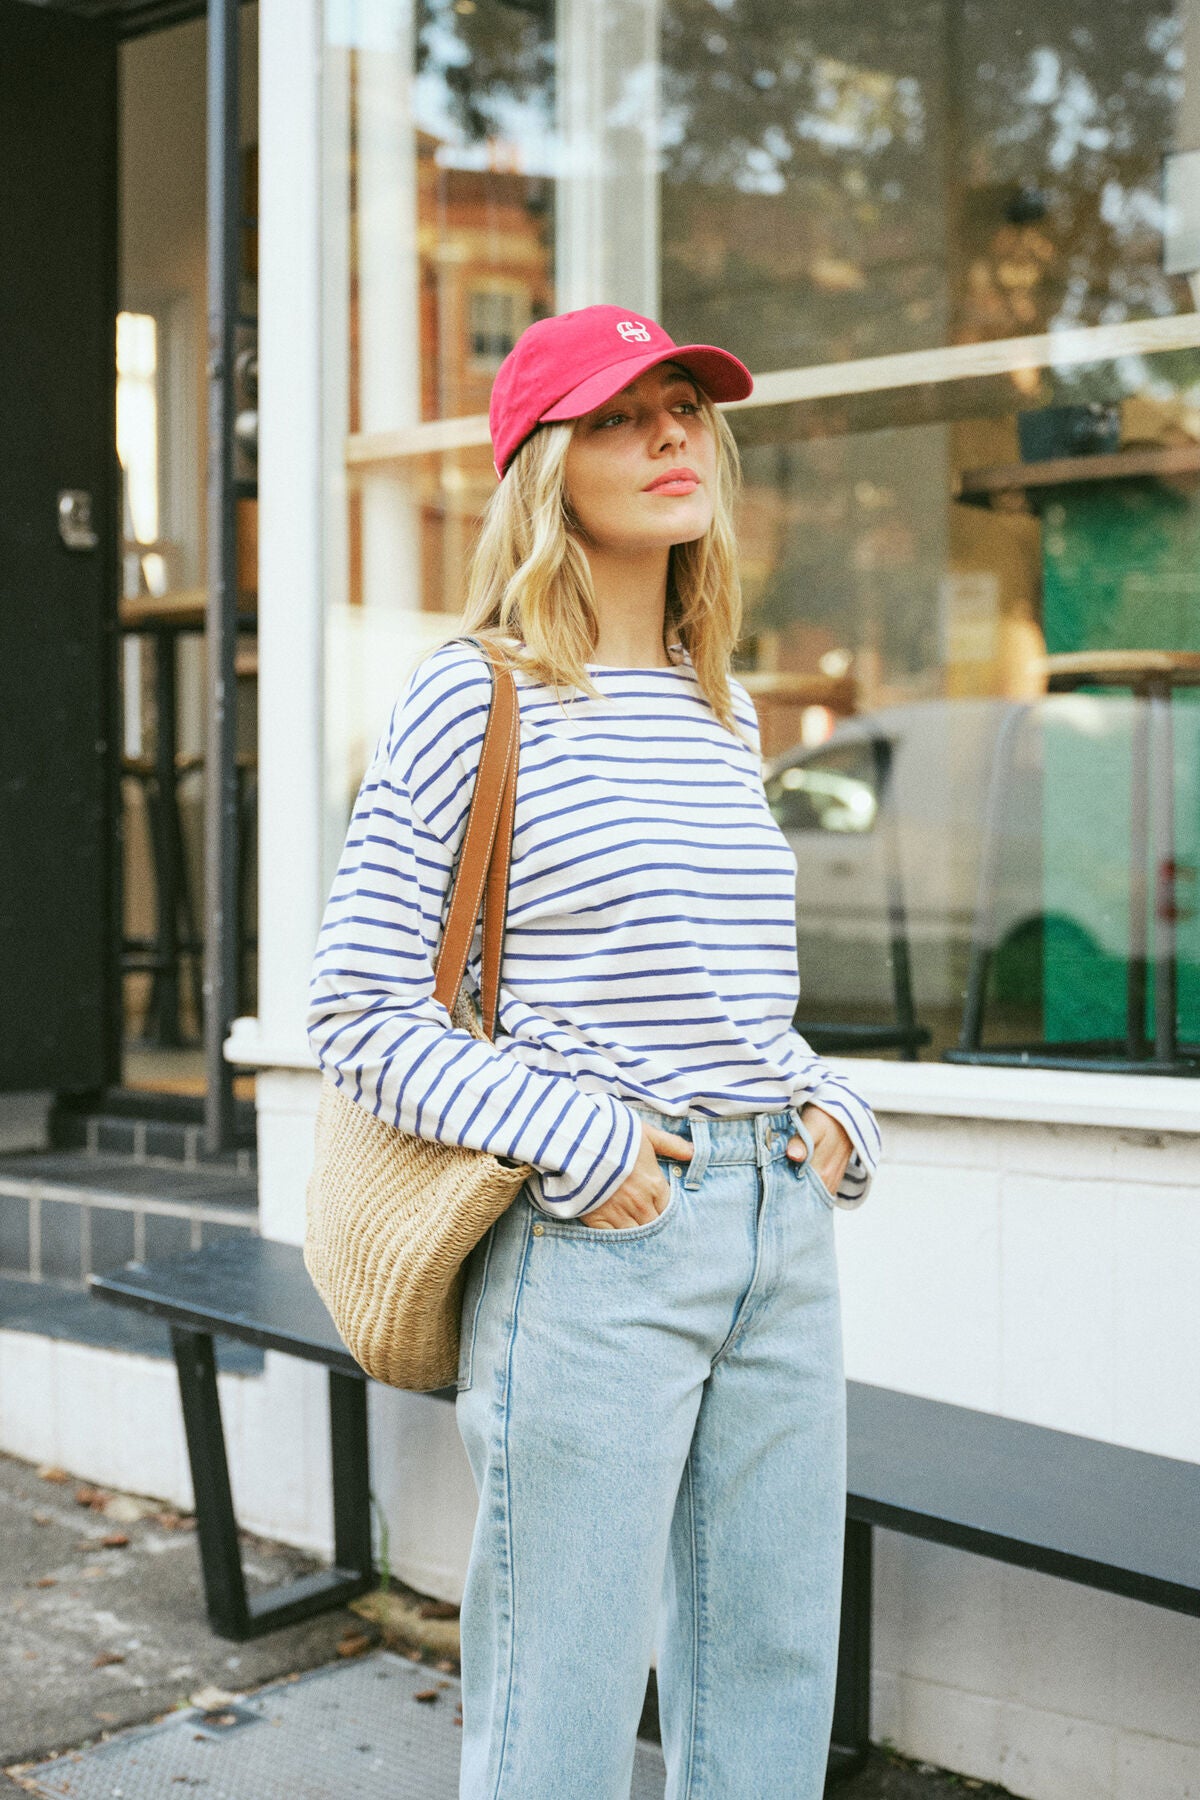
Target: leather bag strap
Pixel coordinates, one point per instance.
(481, 879)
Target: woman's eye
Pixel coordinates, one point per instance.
(612, 419)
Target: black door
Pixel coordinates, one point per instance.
(58, 248)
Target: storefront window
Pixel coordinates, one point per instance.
(958, 244)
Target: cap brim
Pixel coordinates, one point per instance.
(721, 376)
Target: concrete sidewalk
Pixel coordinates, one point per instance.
(106, 1629)
(105, 1615)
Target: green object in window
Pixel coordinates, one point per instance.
(1121, 571)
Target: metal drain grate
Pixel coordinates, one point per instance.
(353, 1729)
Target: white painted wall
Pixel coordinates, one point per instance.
(1048, 1273)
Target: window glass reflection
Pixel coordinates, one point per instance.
(843, 181)
(484, 99)
(975, 650)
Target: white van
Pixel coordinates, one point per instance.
(917, 824)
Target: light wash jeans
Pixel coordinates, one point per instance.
(655, 1418)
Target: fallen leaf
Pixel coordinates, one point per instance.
(437, 1609)
(106, 1718)
(123, 1509)
(41, 1518)
(425, 1695)
(446, 1665)
(114, 1540)
(45, 1581)
(107, 1656)
(90, 1496)
(52, 1472)
(211, 1699)
(353, 1643)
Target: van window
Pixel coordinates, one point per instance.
(834, 790)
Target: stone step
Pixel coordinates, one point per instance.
(66, 1214)
(165, 1127)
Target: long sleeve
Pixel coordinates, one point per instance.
(841, 1100)
(374, 1023)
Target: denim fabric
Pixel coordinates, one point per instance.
(655, 1419)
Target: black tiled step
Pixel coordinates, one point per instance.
(131, 1121)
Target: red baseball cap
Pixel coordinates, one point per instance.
(560, 368)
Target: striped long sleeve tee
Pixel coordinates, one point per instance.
(650, 950)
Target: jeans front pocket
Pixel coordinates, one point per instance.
(822, 1191)
(623, 1234)
(474, 1287)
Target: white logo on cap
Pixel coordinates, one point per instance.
(632, 332)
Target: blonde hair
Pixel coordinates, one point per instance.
(529, 577)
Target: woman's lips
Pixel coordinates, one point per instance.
(679, 485)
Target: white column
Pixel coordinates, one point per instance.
(290, 592)
(608, 122)
(381, 636)
(290, 581)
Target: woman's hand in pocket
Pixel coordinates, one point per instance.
(645, 1190)
(832, 1147)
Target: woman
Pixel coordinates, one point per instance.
(650, 1386)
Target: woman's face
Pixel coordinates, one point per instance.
(641, 469)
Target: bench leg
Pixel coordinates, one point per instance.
(231, 1612)
(852, 1705)
(351, 1475)
(216, 1525)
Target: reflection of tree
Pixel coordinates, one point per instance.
(1064, 124)
(490, 59)
(872, 178)
(847, 177)
(801, 171)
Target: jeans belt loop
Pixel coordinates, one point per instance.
(802, 1131)
(701, 1152)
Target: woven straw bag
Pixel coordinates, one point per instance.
(391, 1218)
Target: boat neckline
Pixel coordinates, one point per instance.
(638, 668)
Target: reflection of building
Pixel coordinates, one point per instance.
(485, 272)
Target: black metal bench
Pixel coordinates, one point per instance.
(258, 1292)
(1069, 1506)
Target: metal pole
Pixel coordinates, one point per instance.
(1137, 972)
(221, 922)
(1162, 764)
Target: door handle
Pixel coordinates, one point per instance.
(75, 526)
